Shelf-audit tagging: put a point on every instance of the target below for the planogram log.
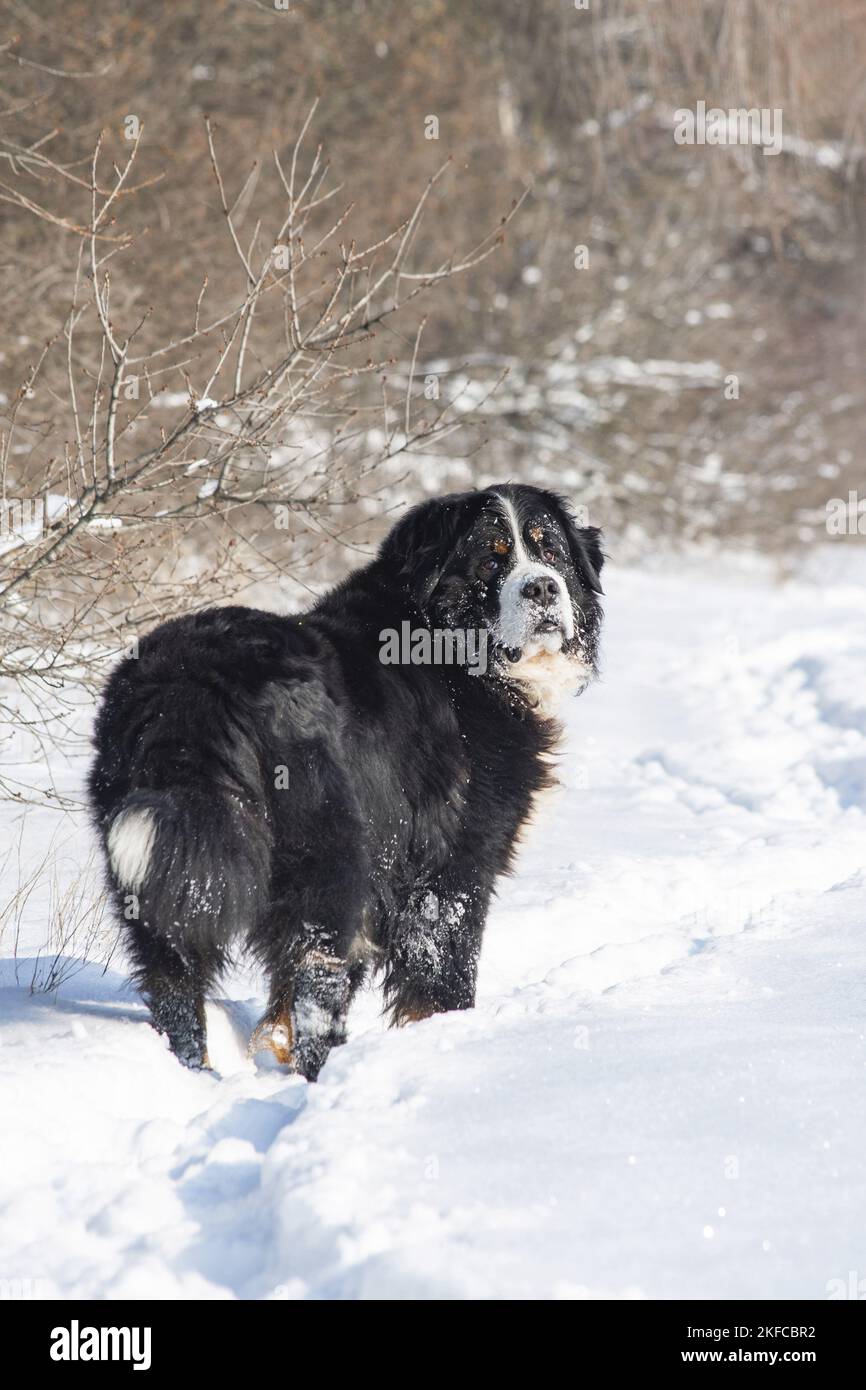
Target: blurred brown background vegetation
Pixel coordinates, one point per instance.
(702, 262)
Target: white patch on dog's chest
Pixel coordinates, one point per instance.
(548, 678)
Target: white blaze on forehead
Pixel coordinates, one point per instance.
(517, 614)
(130, 842)
(507, 506)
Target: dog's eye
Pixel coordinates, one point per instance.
(549, 555)
(488, 566)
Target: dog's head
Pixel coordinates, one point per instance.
(512, 562)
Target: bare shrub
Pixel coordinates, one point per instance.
(76, 930)
(158, 475)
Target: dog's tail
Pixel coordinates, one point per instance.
(193, 865)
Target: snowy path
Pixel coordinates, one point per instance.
(662, 1091)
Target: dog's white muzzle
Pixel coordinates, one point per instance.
(526, 624)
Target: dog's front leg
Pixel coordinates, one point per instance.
(311, 945)
(301, 1025)
(307, 1017)
(433, 954)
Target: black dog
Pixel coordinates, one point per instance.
(343, 787)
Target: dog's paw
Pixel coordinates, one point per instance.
(410, 1013)
(274, 1034)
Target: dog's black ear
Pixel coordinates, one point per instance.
(584, 542)
(418, 548)
(591, 555)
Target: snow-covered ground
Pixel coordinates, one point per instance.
(661, 1093)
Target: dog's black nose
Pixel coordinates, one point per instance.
(541, 589)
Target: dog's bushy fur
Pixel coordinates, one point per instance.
(266, 780)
